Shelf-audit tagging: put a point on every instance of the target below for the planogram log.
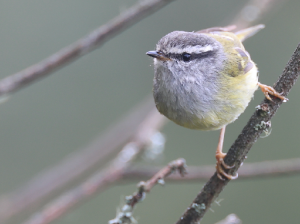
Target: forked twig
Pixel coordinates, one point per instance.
(125, 214)
(101, 180)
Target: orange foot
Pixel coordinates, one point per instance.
(269, 90)
(221, 165)
(220, 159)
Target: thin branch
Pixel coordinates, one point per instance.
(101, 180)
(53, 179)
(203, 173)
(125, 214)
(178, 165)
(35, 189)
(45, 183)
(85, 45)
(238, 151)
(253, 10)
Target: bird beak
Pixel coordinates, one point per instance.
(157, 55)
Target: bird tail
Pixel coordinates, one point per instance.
(248, 32)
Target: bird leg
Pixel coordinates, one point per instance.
(269, 90)
(220, 156)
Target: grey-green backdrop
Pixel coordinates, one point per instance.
(45, 122)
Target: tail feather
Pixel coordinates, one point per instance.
(248, 32)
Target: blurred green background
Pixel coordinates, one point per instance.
(45, 122)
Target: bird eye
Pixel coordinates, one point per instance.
(186, 57)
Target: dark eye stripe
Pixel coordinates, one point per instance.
(192, 56)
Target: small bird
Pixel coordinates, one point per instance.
(204, 80)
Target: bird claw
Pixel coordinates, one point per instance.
(268, 90)
(221, 165)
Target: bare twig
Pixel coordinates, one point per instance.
(253, 10)
(58, 176)
(125, 215)
(102, 179)
(202, 173)
(68, 169)
(178, 165)
(85, 45)
(42, 185)
(238, 151)
(252, 170)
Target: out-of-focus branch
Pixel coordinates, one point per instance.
(202, 173)
(85, 45)
(254, 10)
(99, 181)
(123, 172)
(53, 179)
(67, 170)
(125, 215)
(238, 151)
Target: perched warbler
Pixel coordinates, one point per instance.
(205, 80)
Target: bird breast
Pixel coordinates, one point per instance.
(201, 102)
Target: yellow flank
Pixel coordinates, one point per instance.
(237, 87)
